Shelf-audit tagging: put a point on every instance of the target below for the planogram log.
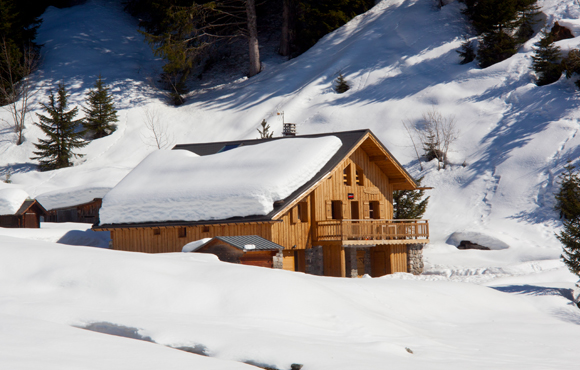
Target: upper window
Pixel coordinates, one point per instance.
(347, 176)
(360, 177)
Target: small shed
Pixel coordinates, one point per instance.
(246, 250)
(28, 215)
(86, 212)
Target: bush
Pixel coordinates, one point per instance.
(340, 84)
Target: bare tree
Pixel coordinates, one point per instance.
(437, 133)
(253, 38)
(14, 91)
(158, 134)
(414, 145)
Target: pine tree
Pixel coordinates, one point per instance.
(568, 204)
(571, 64)
(409, 204)
(495, 47)
(62, 130)
(546, 60)
(101, 114)
(265, 132)
(341, 86)
(467, 53)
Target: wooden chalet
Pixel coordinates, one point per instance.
(339, 223)
(29, 215)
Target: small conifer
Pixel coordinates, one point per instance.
(571, 64)
(467, 53)
(409, 204)
(546, 60)
(341, 85)
(101, 114)
(495, 47)
(265, 132)
(62, 130)
(568, 203)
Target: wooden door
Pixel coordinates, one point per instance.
(379, 263)
(360, 262)
(30, 220)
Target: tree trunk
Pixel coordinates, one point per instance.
(287, 38)
(253, 38)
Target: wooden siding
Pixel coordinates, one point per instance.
(375, 188)
(294, 232)
(168, 240)
(388, 259)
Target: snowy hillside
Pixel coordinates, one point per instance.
(400, 60)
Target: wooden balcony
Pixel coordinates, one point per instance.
(373, 232)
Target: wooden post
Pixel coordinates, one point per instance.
(342, 262)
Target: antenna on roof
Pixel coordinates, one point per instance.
(288, 129)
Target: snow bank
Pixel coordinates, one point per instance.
(71, 196)
(11, 200)
(178, 185)
(477, 238)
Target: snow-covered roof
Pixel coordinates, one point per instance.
(71, 196)
(11, 200)
(178, 185)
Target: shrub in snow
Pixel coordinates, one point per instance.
(265, 132)
(546, 60)
(495, 47)
(568, 203)
(62, 130)
(101, 114)
(340, 84)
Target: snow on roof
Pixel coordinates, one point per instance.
(11, 200)
(178, 185)
(71, 196)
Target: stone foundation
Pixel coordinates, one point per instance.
(314, 261)
(278, 260)
(415, 259)
(350, 262)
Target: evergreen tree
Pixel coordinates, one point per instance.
(466, 52)
(101, 114)
(409, 204)
(546, 60)
(341, 86)
(62, 130)
(571, 64)
(568, 203)
(495, 47)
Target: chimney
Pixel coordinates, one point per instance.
(289, 129)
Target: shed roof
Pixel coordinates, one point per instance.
(29, 203)
(242, 242)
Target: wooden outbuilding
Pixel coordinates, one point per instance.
(246, 250)
(338, 223)
(29, 215)
(86, 212)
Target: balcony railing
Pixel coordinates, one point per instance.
(373, 231)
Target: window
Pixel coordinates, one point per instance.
(205, 229)
(303, 211)
(156, 231)
(375, 210)
(360, 177)
(182, 232)
(347, 176)
(337, 210)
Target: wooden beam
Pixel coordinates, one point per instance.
(378, 158)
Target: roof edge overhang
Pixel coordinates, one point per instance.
(174, 224)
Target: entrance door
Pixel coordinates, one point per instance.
(360, 262)
(379, 264)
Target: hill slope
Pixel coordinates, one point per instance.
(400, 60)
